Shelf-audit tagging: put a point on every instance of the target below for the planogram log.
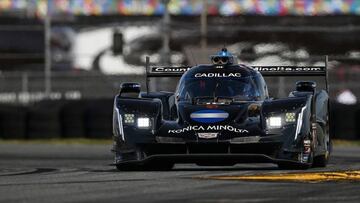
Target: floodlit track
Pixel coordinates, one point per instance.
(81, 173)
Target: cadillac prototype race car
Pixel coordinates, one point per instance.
(221, 114)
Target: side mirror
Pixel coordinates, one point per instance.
(118, 43)
(129, 89)
(306, 86)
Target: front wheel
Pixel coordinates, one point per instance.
(323, 160)
(159, 166)
(293, 166)
(130, 167)
(307, 161)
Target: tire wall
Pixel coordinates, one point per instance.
(57, 119)
(93, 119)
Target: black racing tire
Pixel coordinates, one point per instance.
(159, 166)
(129, 167)
(323, 160)
(156, 166)
(320, 161)
(293, 166)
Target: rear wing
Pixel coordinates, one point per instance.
(291, 70)
(178, 71)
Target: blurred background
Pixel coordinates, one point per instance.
(62, 61)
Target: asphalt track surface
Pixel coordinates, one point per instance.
(81, 173)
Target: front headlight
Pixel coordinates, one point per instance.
(129, 118)
(274, 122)
(143, 122)
(279, 120)
(290, 117)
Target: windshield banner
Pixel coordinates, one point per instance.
(177, 71)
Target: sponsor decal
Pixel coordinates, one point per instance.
(217, 75)
(207, 135)
(166, 69)
(209, 116)
(208, 128)
(289, 68)
(252, 139)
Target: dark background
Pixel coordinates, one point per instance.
(80, 101)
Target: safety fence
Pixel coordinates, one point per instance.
(93, 119)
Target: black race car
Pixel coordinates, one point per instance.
(221, 114)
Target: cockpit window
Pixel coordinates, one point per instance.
(239, 89)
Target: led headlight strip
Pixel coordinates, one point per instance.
(274, 122)
(129, 118)
(299, 122)
(290, 117)
(143, 122)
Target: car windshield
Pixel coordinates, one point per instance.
(243, 89)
